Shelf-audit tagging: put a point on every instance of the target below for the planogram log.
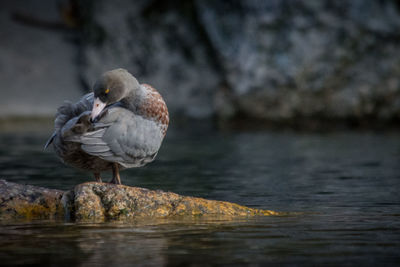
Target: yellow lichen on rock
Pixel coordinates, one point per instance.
(87, 204)
(29, 202)
(31, 210)
(102, 201)
(139, 203)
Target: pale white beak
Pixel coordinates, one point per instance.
(98, 106)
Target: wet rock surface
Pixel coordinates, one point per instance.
(101, 201)
(30, 202)
(287, 60)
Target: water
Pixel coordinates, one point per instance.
(347, 185)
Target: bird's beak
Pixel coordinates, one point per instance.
(98, 106)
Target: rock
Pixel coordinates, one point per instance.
(101, 201)
(288, 60)
(30, 202)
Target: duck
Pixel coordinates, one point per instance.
(120, 125)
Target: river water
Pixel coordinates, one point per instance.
(346, 186)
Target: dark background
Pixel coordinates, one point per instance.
(282, 63)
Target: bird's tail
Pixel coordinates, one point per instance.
(49, 141)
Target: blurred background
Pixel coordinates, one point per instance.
(301, 64)
(282, 104)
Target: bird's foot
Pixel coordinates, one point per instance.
(115, 181)
(116, 178)
(97, 177)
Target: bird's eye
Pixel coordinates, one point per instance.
(107, 91)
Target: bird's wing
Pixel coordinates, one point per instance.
(122, 136)
(69, 113)
(69, 110)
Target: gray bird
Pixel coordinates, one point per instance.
(120, 125)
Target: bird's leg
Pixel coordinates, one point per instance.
(97, 177)
(116, 178)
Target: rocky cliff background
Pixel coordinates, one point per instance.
(281, 62)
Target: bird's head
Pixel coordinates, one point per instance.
(110, 88)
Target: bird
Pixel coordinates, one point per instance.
(120, 125)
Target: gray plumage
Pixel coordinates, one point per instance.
(127, 132)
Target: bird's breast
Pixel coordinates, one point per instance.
(153, 107)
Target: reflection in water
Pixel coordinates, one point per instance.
(346, 183)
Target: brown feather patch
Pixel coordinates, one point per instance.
(155, 108)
